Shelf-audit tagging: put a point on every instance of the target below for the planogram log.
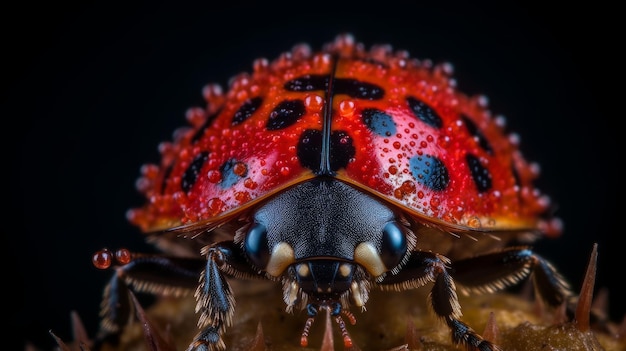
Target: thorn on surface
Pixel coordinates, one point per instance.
(404, 347)
(583, 308)
(560, 314)
(411, 337)
(258, 343)
(491, 331)
(328, 344)
(154, 340)
(526, 292)
(600, 304)
(539, 308)
(621, 331)
(169, 337)
(81, 338)
(60, 342)
(78, 329)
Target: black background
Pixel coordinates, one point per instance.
(90, 90)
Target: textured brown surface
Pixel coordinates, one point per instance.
(394, 321)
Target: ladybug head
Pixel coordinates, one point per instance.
(326, 237)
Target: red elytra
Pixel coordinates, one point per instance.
(389, 124)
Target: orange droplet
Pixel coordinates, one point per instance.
(314, 103)
(102, 259)
(435, 202)
(214, 176)
(240, 169)
(346, 108)
(474, 222)
(249, 183)
(215, 205)
(122, 256)
(242, 196)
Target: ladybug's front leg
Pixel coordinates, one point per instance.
(137, 272)
(424, 267)
(215, 299)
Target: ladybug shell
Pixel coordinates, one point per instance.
(388, 124)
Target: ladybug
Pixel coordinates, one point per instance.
(333, 173)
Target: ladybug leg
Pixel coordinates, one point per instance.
(150, 273)
(215, 299)
(424, 267)
(496, 271)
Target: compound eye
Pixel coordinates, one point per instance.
(256, 245)
(393, 246)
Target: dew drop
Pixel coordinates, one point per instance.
(214, 176)
(122, 256)
(260, 64)
(242, 196)
(474, 222)
(215, 205)
(102, 259)
(250, 184)
(346, 108)
(313, 103)
(240, 169)
(435, 202)
(195, 116)
(407, 188)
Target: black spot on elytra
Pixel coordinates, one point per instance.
(379, 122)
(166, 175)
(430, 171)
(358, 89)
(285, 114)
(246, 110)
(309, 150)
(351, 87)
(307, 83)
(193, 171)
(516, 177)
(424, 112)
(480, 174)
(200, 132)
(341, 149)
(229, 177)
(475, 132)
